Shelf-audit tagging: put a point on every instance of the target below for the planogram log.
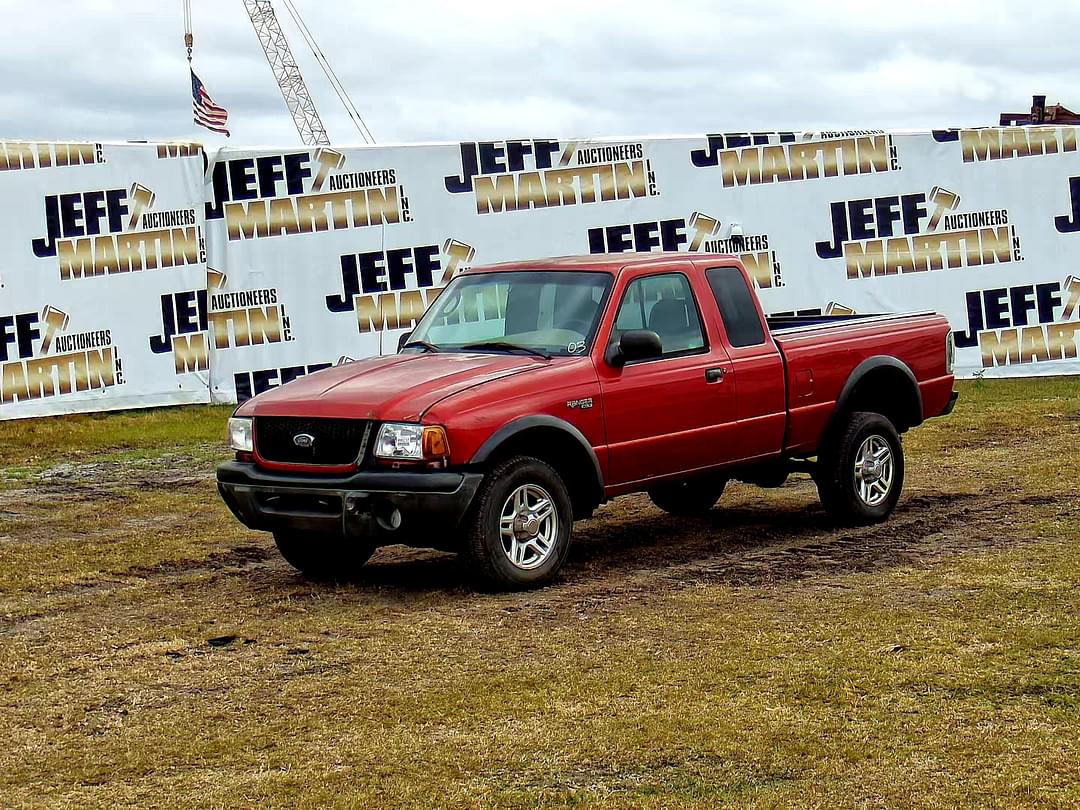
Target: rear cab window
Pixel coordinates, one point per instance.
(736, 304)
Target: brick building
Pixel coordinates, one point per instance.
(1040, 114)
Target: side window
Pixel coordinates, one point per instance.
(737, 310)
(665, 304)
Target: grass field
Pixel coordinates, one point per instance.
(153, 652)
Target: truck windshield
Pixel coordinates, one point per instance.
(554, 312)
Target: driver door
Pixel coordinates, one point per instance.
(669, 414)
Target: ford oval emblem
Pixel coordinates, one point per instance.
(303, 440)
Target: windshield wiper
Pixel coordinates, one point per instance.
(427, 347)
(501, 345)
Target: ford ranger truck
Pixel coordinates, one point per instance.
(532, 392)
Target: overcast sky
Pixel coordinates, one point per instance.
(426, 71)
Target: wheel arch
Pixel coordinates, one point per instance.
(555, 442)
(881, 384)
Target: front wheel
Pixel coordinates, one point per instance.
(323, 556)
(518, 532)
(861, 472)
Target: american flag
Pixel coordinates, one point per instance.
(207, 113)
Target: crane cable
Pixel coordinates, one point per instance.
(328, 71)
(189, 40)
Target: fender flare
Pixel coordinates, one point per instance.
(873, 364)
(524, 423)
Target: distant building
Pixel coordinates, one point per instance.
(1040, 114)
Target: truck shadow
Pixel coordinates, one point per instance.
(767, 543)
(747, 544)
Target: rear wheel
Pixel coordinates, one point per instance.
(861, 473)
(694, 497)
(323, 556)
(518, 531)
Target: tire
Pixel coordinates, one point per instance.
(327, 557)
(512, 541)
(687, 498)
(859, 496)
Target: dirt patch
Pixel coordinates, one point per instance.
(234, 559)
(166, 471)
(109, 483)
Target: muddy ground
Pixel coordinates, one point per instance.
(155, 652)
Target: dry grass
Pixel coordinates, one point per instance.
(757, 658)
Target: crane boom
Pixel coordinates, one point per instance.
(286, 72)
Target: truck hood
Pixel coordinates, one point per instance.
(397, 387)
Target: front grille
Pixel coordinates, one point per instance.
(334, 441)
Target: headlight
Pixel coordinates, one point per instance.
(408, 442)
(240, 433)
(950, 352)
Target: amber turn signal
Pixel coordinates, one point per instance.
(435, 444)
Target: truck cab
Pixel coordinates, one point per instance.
(531, 392)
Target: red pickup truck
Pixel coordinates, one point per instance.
(531, 392)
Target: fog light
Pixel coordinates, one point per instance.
(388, 517)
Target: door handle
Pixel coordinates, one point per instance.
(713, 375)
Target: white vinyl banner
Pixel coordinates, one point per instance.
(146, 274)
(97, 238)
(326, 254)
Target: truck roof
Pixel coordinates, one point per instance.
(600, 262)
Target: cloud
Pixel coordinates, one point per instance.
(424, 71)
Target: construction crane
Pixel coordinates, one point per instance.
(287, 73)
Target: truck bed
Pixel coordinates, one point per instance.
(784, 323)
(820, 352)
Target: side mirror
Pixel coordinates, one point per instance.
(634, 344)
(401, 341)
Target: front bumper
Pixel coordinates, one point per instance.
(415, 508)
